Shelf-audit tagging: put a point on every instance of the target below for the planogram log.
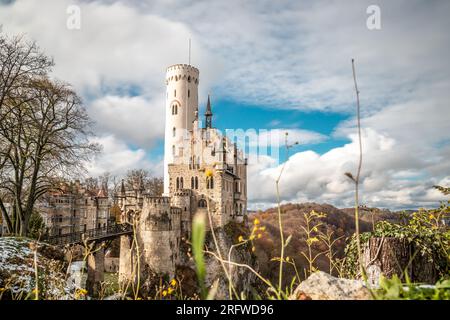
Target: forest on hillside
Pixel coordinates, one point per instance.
(339, 224)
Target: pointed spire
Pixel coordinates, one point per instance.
(208, 114)
(102, 193)
(208, 108)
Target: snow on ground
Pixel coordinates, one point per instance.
(17, 275)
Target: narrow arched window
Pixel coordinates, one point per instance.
(173, 150)
(192, 183)
(174, 131)
(196, 182)
(189, 93)
(181, 183)
(178, 183)
(174, 93)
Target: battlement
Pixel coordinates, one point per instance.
(182, 66)
(157, 199)
(182, 72)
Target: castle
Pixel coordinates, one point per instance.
(203, 171)
(72, 207)
(75, 208)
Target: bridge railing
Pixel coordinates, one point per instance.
(90, 234)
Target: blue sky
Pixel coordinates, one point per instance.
(282, 65)
(263, 117)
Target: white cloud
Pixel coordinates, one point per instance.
(132, 119)
(117, 48)
(298, 54)
(117, 158)
(389, 176)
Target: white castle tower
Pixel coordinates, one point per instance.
(181, 110)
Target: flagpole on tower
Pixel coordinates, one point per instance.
(189, 51)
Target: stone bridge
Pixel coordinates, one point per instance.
(96, 257)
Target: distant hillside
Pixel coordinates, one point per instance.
(340, 221)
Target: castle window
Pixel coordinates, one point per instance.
(181, 183)
(174, 109)
(174, 93)
(210, 183)
(174, 131)
(173, 150)
(196, 182)
(178, 183)
(192, 183)
(189, 93)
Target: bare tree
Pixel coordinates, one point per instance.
(91, 184)
(43, 131)
(20, 63)
(141, 178)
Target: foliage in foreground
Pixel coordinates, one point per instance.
(425, 229)
(394, 289)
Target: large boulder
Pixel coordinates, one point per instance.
(322, 286)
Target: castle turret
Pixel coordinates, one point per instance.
(159, 236)
(181, 105)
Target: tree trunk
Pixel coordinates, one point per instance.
(394, 256)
